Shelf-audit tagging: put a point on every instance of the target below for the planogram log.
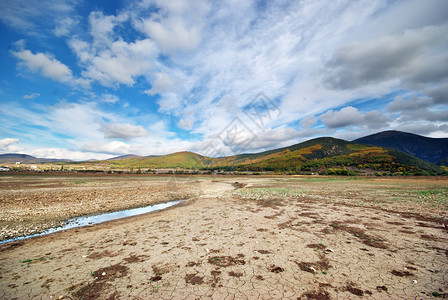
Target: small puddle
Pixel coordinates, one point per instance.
(100, 218)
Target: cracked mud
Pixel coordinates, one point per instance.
(263, 238)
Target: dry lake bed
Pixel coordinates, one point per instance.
(248, 237)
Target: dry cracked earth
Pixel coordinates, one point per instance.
(250, 238)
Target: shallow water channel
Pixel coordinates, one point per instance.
(99, 218)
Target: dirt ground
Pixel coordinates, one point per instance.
(235, 238)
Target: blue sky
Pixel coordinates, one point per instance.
(98, 79)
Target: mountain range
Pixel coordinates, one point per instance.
(28, 159)
(434, 150)
(391, 151)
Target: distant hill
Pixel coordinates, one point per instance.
(27, 159)
(322, 153)
(318, 155)
(127, 156)
(185, 159)
(434, 150)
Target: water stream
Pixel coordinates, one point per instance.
(99, 218)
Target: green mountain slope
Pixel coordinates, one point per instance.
(184, 160)
(323, 153)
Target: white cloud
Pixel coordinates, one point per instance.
(119, 63)
(31, 96)
(109, 98)
(352, 116)
(81, 48)
(204, 62)
(177, 26)
(308, 121)
(346, 116)
(45, 64)
(409, 56)
(186, 124)
(26, 16)
(108, 58)
(63, 26)
(102, 27)
(9, 145)
(163, 83)
(123, 131)
(415, 103)
(81, 120)
(114, 147)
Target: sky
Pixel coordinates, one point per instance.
(86, 79)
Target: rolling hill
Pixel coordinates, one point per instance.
(185, 160)
(318, 155)
(127, 156)
(27, 159)
(434, 150)
(323, 155)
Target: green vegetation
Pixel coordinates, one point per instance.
(186, 160)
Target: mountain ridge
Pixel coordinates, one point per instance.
(28, 159)
(319, 154)
(434, 150)
(316, 155)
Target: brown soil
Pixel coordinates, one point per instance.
(267, 238)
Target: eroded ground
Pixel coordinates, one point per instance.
(263, 238)
(31, 204)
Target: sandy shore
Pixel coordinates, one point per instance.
(274, 238)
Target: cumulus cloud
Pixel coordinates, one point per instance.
(417, 108)
(423, 129)
(64, 26)
(9, 145)
(415, 103)
(346, 116)
(408, 57)
(123, 131)
(177, 25)
(352, 116)
(163, 83)
(375, 120)
(202, 63)
(45, 64)
(107, 57)
(438, 94)
(118, 63)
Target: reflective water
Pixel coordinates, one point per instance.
(95, 219)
